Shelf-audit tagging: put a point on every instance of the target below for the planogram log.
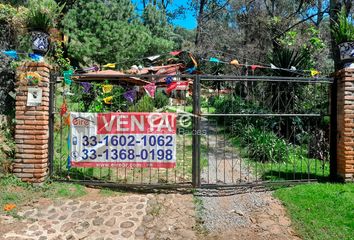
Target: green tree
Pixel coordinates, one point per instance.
(103, 31)
(155, 20)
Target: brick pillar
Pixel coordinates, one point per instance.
(31, 133)
(345, 124)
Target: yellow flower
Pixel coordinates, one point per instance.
(107, 88)
(110, 65)
(108, 100)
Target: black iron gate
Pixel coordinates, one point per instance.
(231, 131)
(261, 130)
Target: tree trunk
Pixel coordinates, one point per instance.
(199, 22)
(335, 7)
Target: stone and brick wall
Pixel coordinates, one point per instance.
(31, 132)
(345, 124)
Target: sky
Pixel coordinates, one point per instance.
(188, 21)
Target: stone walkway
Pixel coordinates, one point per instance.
(130, 216)
(110, 218)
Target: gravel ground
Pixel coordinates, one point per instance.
(237, 213)
(254, 215)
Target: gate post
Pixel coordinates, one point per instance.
(195, 133)
(31, 132)
(345, 124)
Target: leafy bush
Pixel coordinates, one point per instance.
(7, 146)
(42, 14)
(204, 102)
(343, 31)
(161, 100)
(145, 104)
(7, 85)
(264, 146)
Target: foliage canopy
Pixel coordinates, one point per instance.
(111, 31)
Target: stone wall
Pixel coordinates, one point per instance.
(31, 133)
(345, 124)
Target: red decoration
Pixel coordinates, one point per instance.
(171, 86)
(63, 109)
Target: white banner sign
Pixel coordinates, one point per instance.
(123, 140)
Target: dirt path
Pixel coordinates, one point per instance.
(224, 163)
(246, 214)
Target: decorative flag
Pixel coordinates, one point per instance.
(253, 67)
(110, 65)
(11, 53)
(67, 77)
(182, 85)
(130, 95)
(215, 60)
(68, 165)
(94, 68)
(193, 60)
(63, 109)
(170, 87)
(150, 89)
(175, 53)
(234, 62)
(69, 150)
(87, 86)
(67, 120)
(272, 66)
(293, 68)
(108, 100)
(314, 73)
(169, 79)
(35, 57)
(153, 58)
(191, 70)
(107, 88)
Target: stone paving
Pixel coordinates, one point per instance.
(109, 218)
(170, 216)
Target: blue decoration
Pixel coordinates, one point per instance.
(67, 76)
(87, 86)
(69, 159)
(169, 79)
(215, 60)
(11, 53)
(35, 57)
(191, 70)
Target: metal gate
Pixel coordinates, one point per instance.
(262, 130)
(231, 131)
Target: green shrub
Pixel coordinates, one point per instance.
(343, 31)
(161, 100)
(264, 146)
(145, 104)
(204, 102)
(43, 14)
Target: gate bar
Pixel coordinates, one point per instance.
(262, 115)
(195, 135)
(52, 83)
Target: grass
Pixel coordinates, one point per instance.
(13, 191)
(199, 227)
(106, 192)
(297, 166)
(320, 211)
